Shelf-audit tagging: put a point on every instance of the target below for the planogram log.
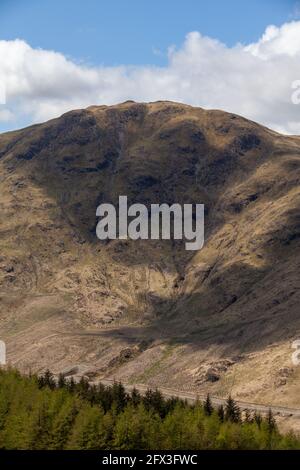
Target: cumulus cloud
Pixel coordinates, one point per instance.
(253, 80)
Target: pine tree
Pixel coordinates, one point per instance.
(82, 388)
(39, 425)
(257, 419)
(154, 400)
(61, 383)
(174, 428)
(171, 404)
(221, 413)
(63, 423)
(104, 397)
(271, 422)
(232, 411)
(136, 428)
(248, 417)
(88, 432)
(119, 396)
(92, 396)
(47, 380)
(135, 397)
(71, 385)
(207, 406)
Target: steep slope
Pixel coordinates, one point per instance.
(221, 319)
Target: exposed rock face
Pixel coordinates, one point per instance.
(67, 299)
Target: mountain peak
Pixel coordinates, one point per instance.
(76, 300)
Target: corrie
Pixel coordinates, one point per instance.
(164, 222)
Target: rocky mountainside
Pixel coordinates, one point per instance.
(221, 319)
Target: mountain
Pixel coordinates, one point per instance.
(221, 319)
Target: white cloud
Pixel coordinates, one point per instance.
(253, 80)
(278, 41)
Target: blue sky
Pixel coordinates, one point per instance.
(113, 32)
(242, 56)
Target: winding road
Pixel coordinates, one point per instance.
(192, 397)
